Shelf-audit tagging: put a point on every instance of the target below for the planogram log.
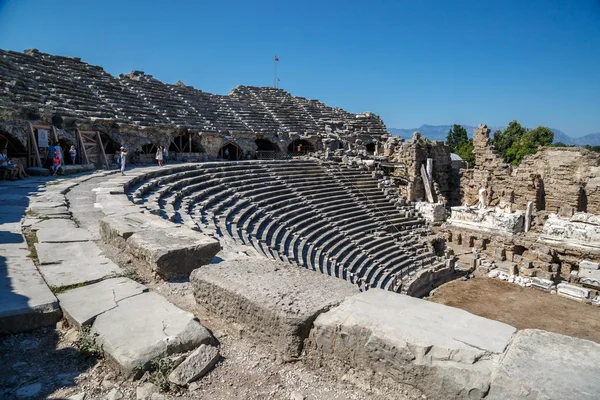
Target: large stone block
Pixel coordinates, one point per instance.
(82, 305)
(572, 291)
(174, 251)
(544, 365)
(445, 352)
(145, 327)
(26, 303)
(275, 301)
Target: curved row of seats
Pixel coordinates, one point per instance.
(328, 218)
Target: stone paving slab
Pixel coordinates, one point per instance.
(82, 305)
(144, 327)
(60, 235)
(444, 351)
(26, 303)
(49, 253)
(75, 272)
(545, 365)
(275, 301)
(37, 224)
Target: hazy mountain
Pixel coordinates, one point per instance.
(439, 132)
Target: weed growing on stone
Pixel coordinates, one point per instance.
(160, 368)
(62, 289)
(86, 343)
(133, 275)
(31, 239)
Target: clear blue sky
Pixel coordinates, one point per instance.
(412, 62)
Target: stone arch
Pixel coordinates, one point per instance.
(265, 145)
(14, 145)
(230, 151)
(371, 147)
(111, 146)
(181, 144)
(300, 146)
(65, 145)
(148, 148)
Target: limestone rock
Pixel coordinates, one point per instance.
(28, 391)
(144, 327)
(145, 391)
(275, 301)
(195, 366)
(545, 365)
(174, 251)
(443, 351)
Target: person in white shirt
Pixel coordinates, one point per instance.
(123, 159)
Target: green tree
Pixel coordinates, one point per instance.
(466, 153)
(503, 140)
(457, 137)
(515, 142)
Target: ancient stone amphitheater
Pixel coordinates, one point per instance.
(318, 240)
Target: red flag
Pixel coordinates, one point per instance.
(276, 59)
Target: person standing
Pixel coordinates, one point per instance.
(159, 156)
(165, 154)
(73, 154)
(123, 159)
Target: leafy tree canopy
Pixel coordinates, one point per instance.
(515, 142)
(457, 137)
(460, 144)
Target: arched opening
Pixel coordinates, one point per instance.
(371, 148)
(14, 147)
(184, 144)
(230, 151)
(65, 146)
(148, 148)
(111, 146)
(300, 146)
(266, 145)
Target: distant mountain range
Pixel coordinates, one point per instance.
(440, 132)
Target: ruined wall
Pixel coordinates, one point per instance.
(552, 178)
(413, 154)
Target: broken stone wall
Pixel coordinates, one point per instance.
(552, 178)
(413, 154)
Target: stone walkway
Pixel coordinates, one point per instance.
(26, 303)
(92, 290)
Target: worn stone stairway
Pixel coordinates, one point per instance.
(318, 216)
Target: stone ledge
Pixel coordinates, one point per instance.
(443, 351)
(545, 365)
(275, 301)
(144, 327)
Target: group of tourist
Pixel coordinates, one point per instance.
(162, 155)
(14, 168)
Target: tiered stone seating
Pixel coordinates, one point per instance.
(333, 220)
(281, 105)
(163, 99)
(66, 85)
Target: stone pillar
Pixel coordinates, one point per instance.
(430, 169)
(528, 214)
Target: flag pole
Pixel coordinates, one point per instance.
(275, 72)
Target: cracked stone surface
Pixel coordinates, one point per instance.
(545, 365)
(275, 301)
(144, 327)
(82, 305)
(444, 351)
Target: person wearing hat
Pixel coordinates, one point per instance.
(123, 159)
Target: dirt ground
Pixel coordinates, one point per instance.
(521, 307)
